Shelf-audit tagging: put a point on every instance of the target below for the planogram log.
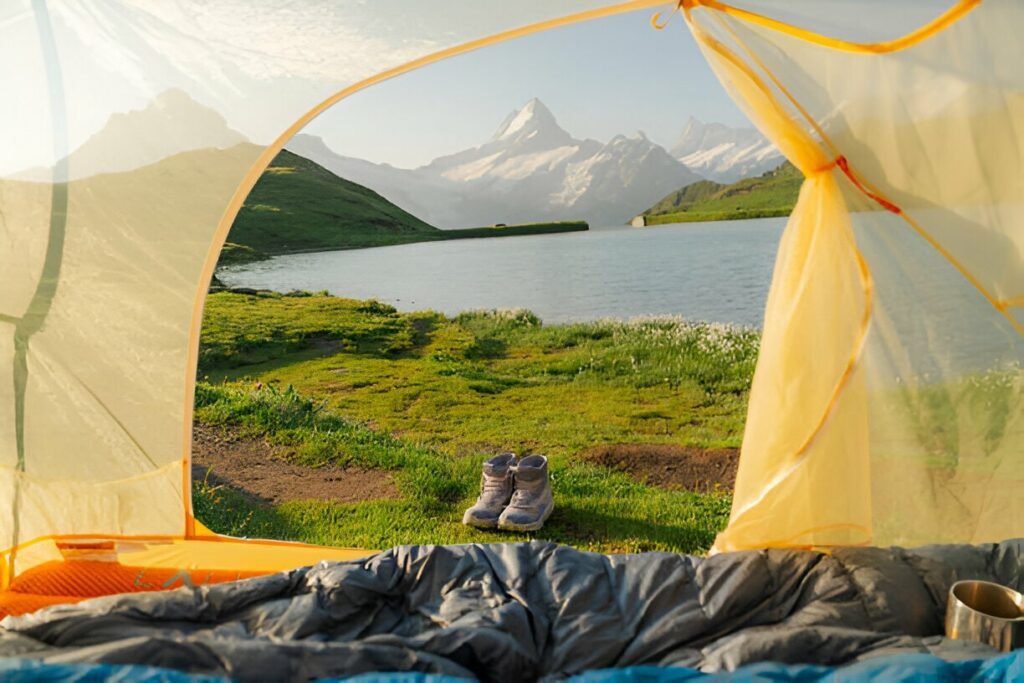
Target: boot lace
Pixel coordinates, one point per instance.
(523, 497)
(491, 485)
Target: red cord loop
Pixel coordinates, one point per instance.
(881, 201)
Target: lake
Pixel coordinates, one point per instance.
(702, 271)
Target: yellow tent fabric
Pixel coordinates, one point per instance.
(888, 403)
(888, 400)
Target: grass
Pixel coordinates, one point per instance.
(957, 424)
(235, 254)
(596, 509)
(513, 230)
(771, 194)
(300, 206)
(430, 397)
(705, 216)
(242, 329)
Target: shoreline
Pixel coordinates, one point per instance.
(240, 254)
(710, 217)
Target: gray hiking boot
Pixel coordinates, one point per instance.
(532, 502)
(495, 492)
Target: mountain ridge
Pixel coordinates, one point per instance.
(722, 153)
(171, 123)
(298, 205)
(530, 169)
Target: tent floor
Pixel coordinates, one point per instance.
(139, 566)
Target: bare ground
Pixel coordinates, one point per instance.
(669, 466)
(260, 470)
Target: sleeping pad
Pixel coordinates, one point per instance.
(529, 611)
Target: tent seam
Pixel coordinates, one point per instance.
(46, 287)
(932, 28)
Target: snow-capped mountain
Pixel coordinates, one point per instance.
(724, 154)
(534, 125)
(530, 170)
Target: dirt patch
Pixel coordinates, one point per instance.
(671, 467)
(260, 471)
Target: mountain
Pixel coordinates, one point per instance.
(531, 169)
(724, 154)
(533, 125)
(770, 194)
(171, 124)
(297, 204)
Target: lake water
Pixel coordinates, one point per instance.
(702, 271)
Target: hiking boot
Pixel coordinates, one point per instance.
(495, 492)
(532, 502)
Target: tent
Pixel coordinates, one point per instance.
(888, 401)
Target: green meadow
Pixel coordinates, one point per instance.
(773, 193)
(428, 398)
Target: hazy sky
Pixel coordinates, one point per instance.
(261, 64)
(600, 78)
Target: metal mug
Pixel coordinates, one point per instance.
(986, 612)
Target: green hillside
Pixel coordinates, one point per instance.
(771, 194)
(299, 205)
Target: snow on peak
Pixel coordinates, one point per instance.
(533, 117)
(533, 170)
(722, 153)
(637, 141)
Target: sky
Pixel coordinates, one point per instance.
(259, 64)
(599, 79)
(262, 64)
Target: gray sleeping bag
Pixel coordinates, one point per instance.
(530, 610)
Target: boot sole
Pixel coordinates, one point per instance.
(532, 526)
(479, 523)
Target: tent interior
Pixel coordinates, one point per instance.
(887, 405)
